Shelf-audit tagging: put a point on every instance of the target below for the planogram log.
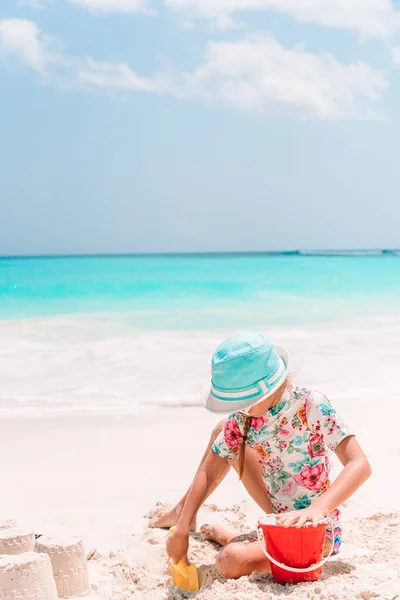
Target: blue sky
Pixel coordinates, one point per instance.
(191, 125)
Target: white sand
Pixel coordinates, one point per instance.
(69, 564)
(26, 576)
(96, 476)
(16, 541)
(7, 524)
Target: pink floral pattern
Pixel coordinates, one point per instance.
(258, 423)
(293, 441)
(232, 434)
(316, 445)
(312, 478)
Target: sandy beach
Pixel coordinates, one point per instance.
(89, 446)
(174, 173)
(99, 476)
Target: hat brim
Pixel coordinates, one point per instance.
(216, 405)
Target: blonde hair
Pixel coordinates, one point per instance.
(242, 451)
(246, 426)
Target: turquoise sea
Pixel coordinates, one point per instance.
(205, 292)
(123, 333)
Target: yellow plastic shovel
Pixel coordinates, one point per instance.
(183, 576)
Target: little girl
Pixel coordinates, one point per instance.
(278, 438)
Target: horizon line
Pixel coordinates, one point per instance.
(211, 253)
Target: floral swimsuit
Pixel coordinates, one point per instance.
(293, 441)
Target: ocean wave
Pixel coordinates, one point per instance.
(55, 369)
(97, 406)
(325, 253)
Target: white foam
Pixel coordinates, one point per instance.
(87, 364)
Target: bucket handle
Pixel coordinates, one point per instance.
(260, 535)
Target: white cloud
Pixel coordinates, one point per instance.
(395, 51)
(35, 4)
(371, 18)
(21, 39)
(259, 74)
(255, 74)
(114, 6)
(112, 76)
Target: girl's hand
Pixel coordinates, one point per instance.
(178, 546)
(312, 514)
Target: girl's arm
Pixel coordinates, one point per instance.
(356, 471)
(208, 473)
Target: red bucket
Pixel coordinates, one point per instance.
(295, 553)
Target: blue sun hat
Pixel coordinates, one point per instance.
(246, 369)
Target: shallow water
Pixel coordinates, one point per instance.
(203, 292)
(124, 333)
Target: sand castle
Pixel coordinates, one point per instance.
(68, 561)
(26, 576)
(16, 541)
(43, 569)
